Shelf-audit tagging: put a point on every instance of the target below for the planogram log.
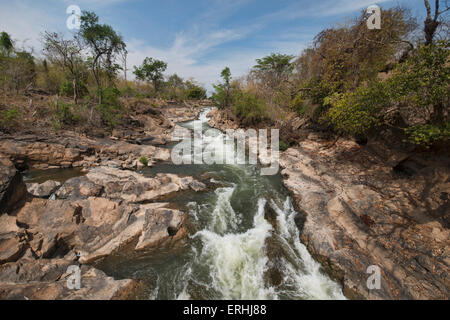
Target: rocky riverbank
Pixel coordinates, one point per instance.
(369, 205)
(45, 228)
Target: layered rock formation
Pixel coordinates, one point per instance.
(357, 211)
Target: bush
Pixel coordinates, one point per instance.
(196, 93)
(110, 110)
(221, 97)
(144, 160)
(63, 115)
(284, 146)
(248, 107)
(9, 118)
(66, 89)
(427, 135)
(357, 112)
(128, 92)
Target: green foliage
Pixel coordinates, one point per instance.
(105, 45)
(6, 44)
(63, 115)
(226, 76)
(196, 93)
(284, 146)
(219, 96)
(111, 109)
(128, 92)
(273, 67)
(429, 134)
(9, 118)
(66, 88)
(222, 97)
(359, 111)
(151, 70)
(144, 160)
(248, 107)
(423, 80)
(297, 104)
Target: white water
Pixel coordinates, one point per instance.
(236, 259)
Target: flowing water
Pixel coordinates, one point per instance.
(234, 252)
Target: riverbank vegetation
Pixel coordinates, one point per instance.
(82, 80)
(356, 81)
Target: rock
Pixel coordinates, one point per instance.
(134, 187)
(12, 244)
(80, 187)
(47, 280)
(162, 228)
(197, 186)
(8, 226)
(72, 150)
(12, 188)
(10, 250)
(356, 212)
(43, 190)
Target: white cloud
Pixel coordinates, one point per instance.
(25, 23)
(194, 52)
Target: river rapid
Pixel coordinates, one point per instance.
(233, 251)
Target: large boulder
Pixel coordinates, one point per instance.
(43, 190)
(134, 187)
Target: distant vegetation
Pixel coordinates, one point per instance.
(351, 80)
(356, 81)
(90, 70)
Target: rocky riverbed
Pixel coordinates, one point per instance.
(47, 227)
(356, 206)
(369, 205)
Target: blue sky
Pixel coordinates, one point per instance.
(197, 38)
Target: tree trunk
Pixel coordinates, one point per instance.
(431, 26)
(75, 92)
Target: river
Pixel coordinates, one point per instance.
(233, 252)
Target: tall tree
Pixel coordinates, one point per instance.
(67, 55)
(273, 69)
(222, 96)
(105, 46)
(151, 70)
(6, 44)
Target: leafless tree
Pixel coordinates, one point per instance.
(66, 54)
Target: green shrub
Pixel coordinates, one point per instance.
(248, 107)
(284, 146)
(357, 112)
(9, 118)
(196, 93)
(110, 110)
(427, 135)
(64, 115)
(66, 89)
(144, 160)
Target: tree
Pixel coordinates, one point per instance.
(67, 55)
(273, 69)
(222, 94)
(105, 46)
(22, 70)
(432, 22)
(6, 44)
(151, 70)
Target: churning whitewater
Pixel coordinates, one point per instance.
(245, 243)
(234, 242)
